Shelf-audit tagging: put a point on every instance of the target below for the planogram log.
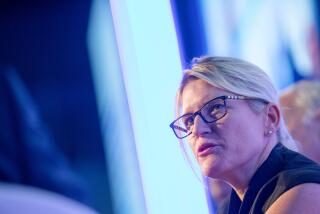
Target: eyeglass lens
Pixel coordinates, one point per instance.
(210, 112)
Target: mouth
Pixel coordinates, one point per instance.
(205, 149)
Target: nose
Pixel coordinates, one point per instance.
(200, 127)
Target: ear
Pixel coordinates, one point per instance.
(272, 120)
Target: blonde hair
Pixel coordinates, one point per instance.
(306, 96)
(239, 77)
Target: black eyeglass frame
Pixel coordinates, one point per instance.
(224, 98)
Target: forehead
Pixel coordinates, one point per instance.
(198, 92)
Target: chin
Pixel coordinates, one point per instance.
(210, 167)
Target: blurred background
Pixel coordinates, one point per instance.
(88, 88)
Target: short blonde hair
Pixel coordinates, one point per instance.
(306, 96)
(236, 76)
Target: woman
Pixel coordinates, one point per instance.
(228, 113)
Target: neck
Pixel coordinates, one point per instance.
(240, 179)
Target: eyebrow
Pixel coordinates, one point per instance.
(207, 99)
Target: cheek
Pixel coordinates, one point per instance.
(228, 129)
(239, 135)
(191, 143)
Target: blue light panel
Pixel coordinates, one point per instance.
(150, 63)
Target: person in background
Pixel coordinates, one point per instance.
(28, 154)
(228, 114)
(301, 108)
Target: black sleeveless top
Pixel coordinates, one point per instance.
(282, 170)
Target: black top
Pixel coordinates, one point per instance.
(282, 170)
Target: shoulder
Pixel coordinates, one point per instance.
(287, 180)
(303, 198)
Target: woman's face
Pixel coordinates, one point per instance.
(229, 145)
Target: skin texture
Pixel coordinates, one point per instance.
(240, 146)
(299, 199)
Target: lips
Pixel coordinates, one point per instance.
(205, 149)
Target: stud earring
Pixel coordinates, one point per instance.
(269, 132)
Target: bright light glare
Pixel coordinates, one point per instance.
(151, 69)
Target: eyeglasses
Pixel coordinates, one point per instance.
(210, 112)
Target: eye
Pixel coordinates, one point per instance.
(188, 122)
(215, 110)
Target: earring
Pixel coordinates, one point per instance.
(269, 132)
